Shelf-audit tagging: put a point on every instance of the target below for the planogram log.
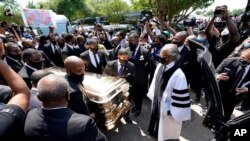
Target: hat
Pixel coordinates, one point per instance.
(122, 51)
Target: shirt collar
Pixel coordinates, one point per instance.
(12, 59)
(69, 45)
(180, 48)
(170, 65)
(54, 108)
(34, 69)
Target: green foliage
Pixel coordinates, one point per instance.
(140, 5)
(16, 18)
(181, 8)
(113, 9)
(72, 9)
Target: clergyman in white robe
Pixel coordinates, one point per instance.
(174, 102)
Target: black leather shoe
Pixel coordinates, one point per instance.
(128, 120)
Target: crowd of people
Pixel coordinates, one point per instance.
(155, 60)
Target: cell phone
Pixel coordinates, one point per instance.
(226, 70)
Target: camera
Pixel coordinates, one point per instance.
(190, 22)
(246, 16)
(217, 12)
(145, 18)
(7, 12)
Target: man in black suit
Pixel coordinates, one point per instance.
(13, 56)
(233, 75)
(141, 59)
(183, 61)
(53, 51)
(95, 60)
(69, 49)
(124, 69)
(75, 73)
(113, 53)
(33, 61)
(55, 122)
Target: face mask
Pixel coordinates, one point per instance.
(16, 57)
(162, 60)
(132, 47)
(78, 78)
(247, 45)
(178, 44)
(243, 62)
(201, 39)
(157, 45)
(37, 65)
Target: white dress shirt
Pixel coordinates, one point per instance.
(92, 58)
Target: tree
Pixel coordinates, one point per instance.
(113, 9)
(72, 9)
(15, 10)
(180, 8)
(140, 4)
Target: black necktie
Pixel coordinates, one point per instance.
(96, 61)
(238, 78)
(133, 55)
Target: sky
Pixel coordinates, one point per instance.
(232, 4)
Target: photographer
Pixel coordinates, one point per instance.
(220, 50)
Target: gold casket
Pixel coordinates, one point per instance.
(109, 96)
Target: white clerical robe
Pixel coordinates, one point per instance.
(175, 99)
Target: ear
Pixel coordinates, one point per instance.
(67, 96)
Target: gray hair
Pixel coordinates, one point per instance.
(172, 50)
(52, 87)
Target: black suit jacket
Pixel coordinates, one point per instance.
(14, 65)
(231, 67)
(68, 51)
(89, 67)
(56, 57)
(184, 62)
(142, 62)
(76, 102)
(114, 52)
(25, 73)
(60, 125)
(128, 73)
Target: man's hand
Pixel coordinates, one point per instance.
(241, 90)
(224, 12)
(222, 76)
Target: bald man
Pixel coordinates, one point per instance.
(233, 89)
(115, 41)
(75, 73)
(55, 121)
(184, 60)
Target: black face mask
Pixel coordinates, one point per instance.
(178, 44)
(157, 45)
(243, 62)
(162, 60)
(78, 78)
(37, 65)
(16, 57)
(132, 46)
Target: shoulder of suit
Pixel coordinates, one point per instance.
(85, 53)
(131, 64)
(112, 62)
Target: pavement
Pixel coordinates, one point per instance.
(192, 130)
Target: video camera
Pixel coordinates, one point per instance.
(146, 16)
(190, 22)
